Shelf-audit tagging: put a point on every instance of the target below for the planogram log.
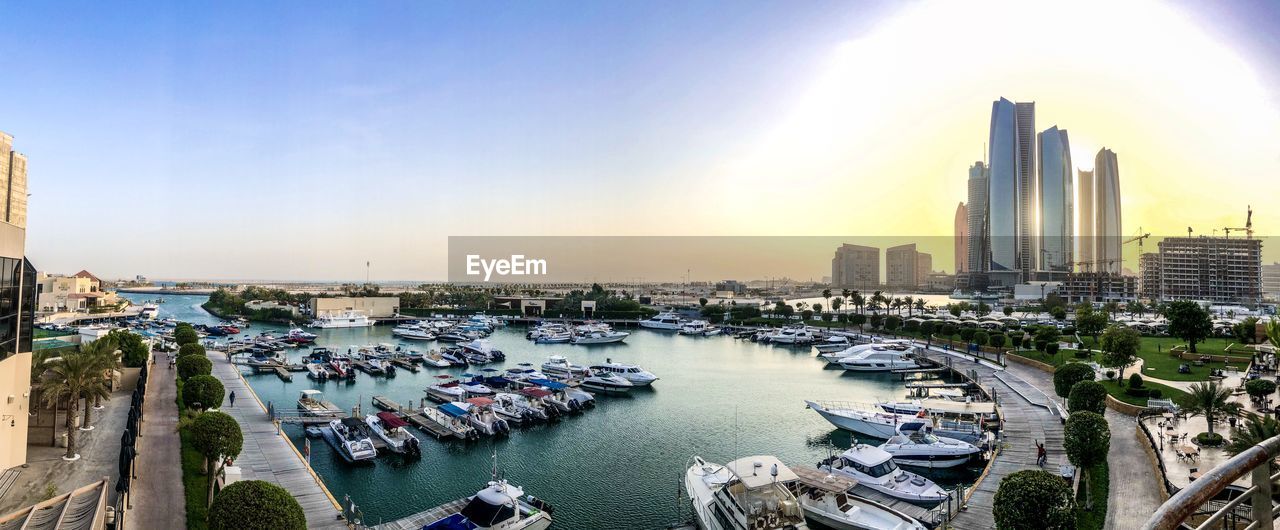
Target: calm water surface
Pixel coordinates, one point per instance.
(617, 466)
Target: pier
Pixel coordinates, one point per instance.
(414, 418)
(423, 518)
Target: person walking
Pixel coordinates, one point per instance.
(1041, 454)
(232, 397)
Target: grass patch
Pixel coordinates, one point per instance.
(194, 481)
(1053, 360)
(1158, 363)
(1116, 390)
(1098, 486)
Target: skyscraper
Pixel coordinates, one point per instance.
(961, 238)
(1028, 247)
(1056, 217)
(902, 266)
(1006, 209)
(1086, 236)
(978, 247)
(856, 266)
(1107, 228)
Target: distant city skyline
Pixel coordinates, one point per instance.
(298, 142)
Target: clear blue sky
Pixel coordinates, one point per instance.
(299, 139)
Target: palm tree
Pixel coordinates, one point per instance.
(920, 305)
(1211, 401)
(846, 293)
(826, 295)
(71, 377)
(911, 305)
(1250, 433)
(104, 353)
(858, 301)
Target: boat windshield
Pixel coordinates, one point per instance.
(882, 469)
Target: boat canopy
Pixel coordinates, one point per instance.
(352, 422)
(311, 393)
(757, 471)
(958, 407)
(452, 409)
(391, 421)
(480, 401)
(549, 384)
(535, 392)
(497, 380)
(824, 481)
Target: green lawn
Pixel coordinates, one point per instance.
(1098, 486)
(1117, 391)
(1158, 363)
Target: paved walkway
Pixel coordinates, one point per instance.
(1134, 493)
(158, 492)
(270, 456)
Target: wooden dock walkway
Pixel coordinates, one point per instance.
(423, 518)
(414, 418)
(269, 455)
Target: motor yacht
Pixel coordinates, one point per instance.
(412, 332)
(746, 494)
(825, 498)
(554, 337)
(836, 356)
(872, 467)
(558, 366)
(606, 382)
(345, 319)
(564, 397)
(149, 311)
(916, 445)
(521, 404)
(475, 411)
(599, 337)
(666, 320)
(695, 327)
(635, 374)
(485, 348)
(791, 335)
(454, 335)
(500, 506)
(874, 422)
(880, 359)
(434, 358)
(395, 432)
(350, 437)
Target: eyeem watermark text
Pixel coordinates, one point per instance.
(516, 265)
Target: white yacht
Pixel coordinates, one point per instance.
(791, 335)
(825, 498)
(695, 327)
(500, 506)
(635, 374)
(348, 436)
(522, 404)
(746, 494)
(395, 432)
(880, 359)
(606, 382)
(874, 468)
(433, 358)
(475, 411)
(835, 356)
(345, 319)
(149, 311)
(916, 445)
(665, 320)
(599, 336)
(412, 332)
(558, 366)
(833, 344)
(485, 347)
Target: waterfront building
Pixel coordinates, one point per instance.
(961, 238)
(1057, 216)
(370, 306)
(904, 266)
(924, 267)
(81, 293)
(1108, 232)
(1085, 236)
(1271, 281)
(1098, 287)
(1220, 270)
(271, 305)
(736, 287)
(856, 267)
(1010, 205)
(18, 292)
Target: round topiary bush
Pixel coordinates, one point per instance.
(185, 335)
(1070, 374)
(191, 349)
(193, 365)
(1051, 348)
(202, 392)
(1135, 381)
(1087, 396)
(255, 504)
(1208, 439)
(1259, 387)
(1034, 499)
(1154, 393)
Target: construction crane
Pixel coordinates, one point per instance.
(1141, 235)
(1248, 226)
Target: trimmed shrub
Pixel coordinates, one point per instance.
(967, 333)
(1051, 348)
(981, 338)
(185, 335)
(206, 391)
(1154, 393)
(1137, 392)
(193, 365)
(1034, 499)
(1259, 387)
(1087, 396)
(1135, 381)
(191, 349)
(998, 340)
(1082, 354)
(256, 504)
(1067, 376)
(1209, 439)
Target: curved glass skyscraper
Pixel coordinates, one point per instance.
(1106, 174)
(1003, 196)
(1056, 214)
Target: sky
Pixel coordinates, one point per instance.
(300, 141)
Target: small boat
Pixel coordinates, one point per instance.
(695, 327)
(880, 359)
(666, 321)
(522, 405)
(791, 335)
(872, 467)
(500, 506)
(448, 389)
(298, 336)
(558, 366)
(453, 336)
(310, 403)
(486, 349)
(351, 438)
(600, 337)
(748, 493)
(342, 366)
(564, 397)
(483, 421)
(412, 332)
(318, 371)
(832, 344)
(825, 499)
(459, 428)
(435, 359)
(606, 382)
(916, 445)
(394, 431)
(560, 337)
(635, 374)
(455, 357)
(346, 319)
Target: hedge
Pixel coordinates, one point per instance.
(253, 505)
(193, 365)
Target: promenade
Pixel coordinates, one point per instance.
(157, 492)
(269, 455)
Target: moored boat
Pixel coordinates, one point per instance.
(394, 431)
(874, 468)
(349, 436)
(500, 506)
(825, 498)
(748, 493)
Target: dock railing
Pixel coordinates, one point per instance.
(1194, 501)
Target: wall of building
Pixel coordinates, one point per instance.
(15, 389)
(372, 306)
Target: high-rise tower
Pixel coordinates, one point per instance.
(978, 247)
(1108, 230)
(1055, 205)
(1086, 238)
(961, 238)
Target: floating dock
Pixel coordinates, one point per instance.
(285, 375)
(423, 423)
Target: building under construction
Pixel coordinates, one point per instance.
(1220, 270)
(1098, 287)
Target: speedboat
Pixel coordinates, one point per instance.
(520, 405)
(539, 400)
(342, 366)
(453, 335)
(695, 327)
(448, 389)
(606, 382)
(500, 506)
(825, 498)
(350, 437)
(635, 374)
(478, 416)
(748, 493)
(874, 468)
(558, 366)
(318, 371)
(455, 356)
(412, 332)
(299, 336)
(485, 348)
(562, 396)
(395, 432)
(666, 320)
(835, 356)
(457, 427)
(600, 337)
(916, 445)
(880, 359)
(435, 359)
(476, 388)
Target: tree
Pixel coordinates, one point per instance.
(1210, 400)
(998, 340)
(954, 309)
(1136, 308)
(1135, 381)
(133, 349)
(702, 302)
(1188, 321)
(1088, 396)
(193, 365)
(103, 354)
(858, 319)
(69, 378)
(1260, 388)
(216, 436)
(826, 295)
(983, 309)
(1246, 331)
(1058, 312)
(911, 325)
(1008, 310)
(185, 335)
(892, 323)
(191, 349)
(1090, 322)
(1086, 439)
(836, 303)
(1253, 431)
(817, 308)
(202, 392)
(1033, 499)
(1070, 374)
(1273, 332)
(1120, 346)
(256, 505)
(981, 338)
(966, 333)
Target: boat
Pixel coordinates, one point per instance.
(695, 327)
(606, 382)
(748, 493)
(351, 438)
(599, 337)
(485, 348)
(394, 431)
(454, 356)
(345, 319)
(457, 427)
(480, 418)
(558, 366)
(412, 332)
(318, 371)
(555, 337)
(836, 356)
(635, 374)
(871, 421)
(434, 358)
(826, 499)
(666, 321)
(539, 398)
(880, 359)
(873, 468)
(299, 336)
(310, 403)
(500, 506)
(453, 335)
(791, 335)
(521, 405)
(149, 311)
(916, 445)
(562, 396)
(342, 366)
(833, 343)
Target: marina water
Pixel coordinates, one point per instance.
(616, 466)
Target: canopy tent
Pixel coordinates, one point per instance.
(549, 384)
(391, 421)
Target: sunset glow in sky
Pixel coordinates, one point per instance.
(297, 141)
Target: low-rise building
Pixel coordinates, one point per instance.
(271, 305)
(1271, 282)
(370, 306)
(1098, 287)
(80, 292)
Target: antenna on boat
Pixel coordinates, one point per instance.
(495, 465)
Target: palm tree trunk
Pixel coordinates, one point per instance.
(88, 414)
(71, 428)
